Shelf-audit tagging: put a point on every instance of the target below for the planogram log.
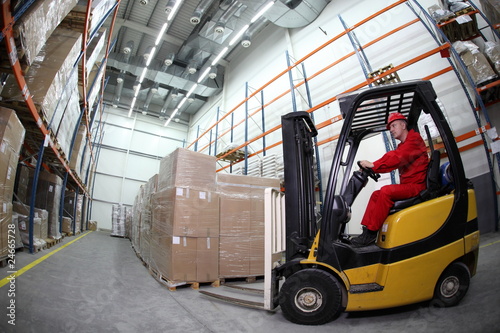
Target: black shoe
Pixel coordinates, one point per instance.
(366, 238)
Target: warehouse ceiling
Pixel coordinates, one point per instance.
(198, 32)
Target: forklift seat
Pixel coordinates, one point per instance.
(433, 189)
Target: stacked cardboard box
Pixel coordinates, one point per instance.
(47, 196)
(185, 218)
(241, 251)
(38, 23)
(67, 225)
(146, 211)
(53, 84)
(118, 220)
(11, 138)
(41, 220)
(137, 210)
(73, 209)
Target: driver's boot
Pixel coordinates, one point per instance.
(366, 238)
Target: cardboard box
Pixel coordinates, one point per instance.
(5, 220)
(185, 259)
(242, 204)
(67, 225)
(41, 219)
(186, 168)
(241, 256)
(12, 131)
(35, 26)
(182, 211)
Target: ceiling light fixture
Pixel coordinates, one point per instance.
(174, 9)
(205, 73)
(160, 35)
(262, 11)
(238, 35)
(143, 74)
(132, 106)
(150, 56)
(220, 55)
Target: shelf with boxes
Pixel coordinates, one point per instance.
(52, 77)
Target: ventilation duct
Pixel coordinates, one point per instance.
(220, 26)
(200, 10)
(293, 13)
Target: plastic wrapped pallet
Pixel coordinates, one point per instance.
(492, 52)
(12, 135)
(491, 9)
(37, 24)
(41, 218)
(93, 225)
(241, 247)
(136, 220)
(118, 220)
(52, 83)
(15, 222)
(184, 243)
(146, 219)
(186, 168)
(23, 223)
(67, 225)
(477, 65)
(78, 147)
(5, 221)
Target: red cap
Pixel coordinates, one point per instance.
(395, 116)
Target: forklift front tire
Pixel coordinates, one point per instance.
(452, 285)
(311, 297)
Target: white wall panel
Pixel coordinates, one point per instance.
(115, 136)
(107, 188)
(141, 168)
(111, 162)
(130, 190)
(102, 213)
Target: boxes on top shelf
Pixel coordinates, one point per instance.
(37, 24)
(52, 83)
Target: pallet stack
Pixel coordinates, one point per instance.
(202, 226)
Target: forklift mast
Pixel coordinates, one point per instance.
(298, 131)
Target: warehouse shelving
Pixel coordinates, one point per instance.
(39, 132)
(440, 49)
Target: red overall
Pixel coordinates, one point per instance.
(411, 159)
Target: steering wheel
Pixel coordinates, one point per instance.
(369, 171)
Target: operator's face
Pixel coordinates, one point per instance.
(397, 129)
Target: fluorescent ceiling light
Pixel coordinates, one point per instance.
(262, 11)
(143, 74)
(220, 55)
(182, 103)
(191, 90)
(205, 73)
(160, 35)
(238, 35)
(151, 55)
(174, 9)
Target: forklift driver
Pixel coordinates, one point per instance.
(411, 159)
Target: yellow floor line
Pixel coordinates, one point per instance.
(39, 260)
(485, 245)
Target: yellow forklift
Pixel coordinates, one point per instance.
(427, 249)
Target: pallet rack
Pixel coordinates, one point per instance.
(41, 143)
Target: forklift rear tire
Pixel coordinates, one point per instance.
(452, 285)
(311, 297)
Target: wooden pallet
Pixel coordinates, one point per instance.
(52, 242)
(172, 285)
(233, 157)
(381, 78)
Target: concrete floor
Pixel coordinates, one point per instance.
(97, 284)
